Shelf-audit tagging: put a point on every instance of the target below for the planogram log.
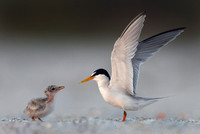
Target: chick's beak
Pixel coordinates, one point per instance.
(87, 79)
(59, 88)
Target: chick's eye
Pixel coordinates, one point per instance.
(53, 89)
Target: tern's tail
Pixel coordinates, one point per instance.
(143, 102)
(150, 99)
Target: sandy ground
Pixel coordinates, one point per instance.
(91, 125)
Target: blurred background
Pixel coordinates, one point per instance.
(62, 42)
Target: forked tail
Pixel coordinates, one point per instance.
(143, 102)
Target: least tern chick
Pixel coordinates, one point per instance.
(41, 107)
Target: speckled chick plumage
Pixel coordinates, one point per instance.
(41, 107)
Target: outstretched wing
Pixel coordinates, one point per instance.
(148, 47)
(123, 51)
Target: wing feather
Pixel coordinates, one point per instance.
(123, 51)
(35, 106)
(148, 47)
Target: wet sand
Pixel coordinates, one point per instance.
(91, 125)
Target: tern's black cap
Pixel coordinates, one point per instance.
(101, 71)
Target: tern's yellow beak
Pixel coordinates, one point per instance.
(87, 79)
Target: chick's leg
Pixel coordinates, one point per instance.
(40, 119)
(33, 118)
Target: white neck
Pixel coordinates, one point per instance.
(103, 82)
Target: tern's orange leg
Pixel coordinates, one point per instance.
(33, 118)
(124, 118)
(40, 119)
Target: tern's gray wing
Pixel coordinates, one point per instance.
(122, 53)
(148, 47)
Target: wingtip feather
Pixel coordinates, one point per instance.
(143, 13)
(139, 15)
(176, 29)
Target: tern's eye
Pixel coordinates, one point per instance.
(53, 88)
(93, 74)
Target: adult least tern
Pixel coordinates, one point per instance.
(41, 107)
(127, 56)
